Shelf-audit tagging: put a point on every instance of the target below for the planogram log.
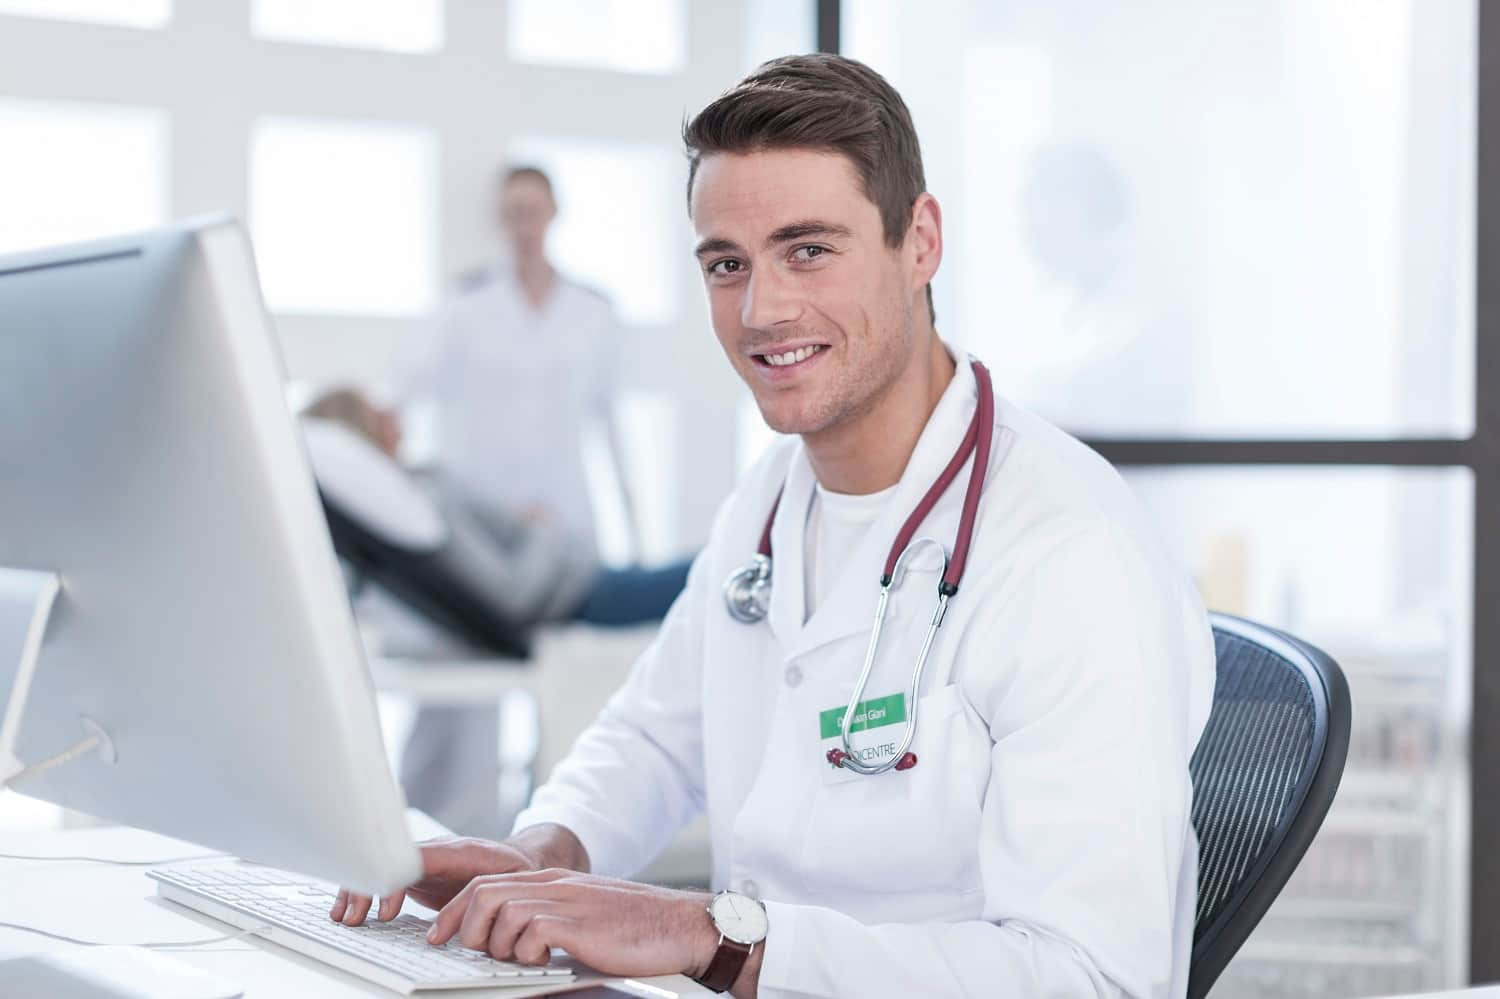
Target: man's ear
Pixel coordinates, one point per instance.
(925, 240)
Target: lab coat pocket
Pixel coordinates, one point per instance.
(910, 831)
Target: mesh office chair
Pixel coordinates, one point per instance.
(1264, 773)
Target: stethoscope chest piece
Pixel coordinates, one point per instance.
(747, 591)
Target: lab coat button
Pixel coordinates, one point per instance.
(793, 676)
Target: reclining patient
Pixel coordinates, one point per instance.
(529, 568)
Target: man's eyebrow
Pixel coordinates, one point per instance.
(715, 244)
(809, 227)
(791, 232)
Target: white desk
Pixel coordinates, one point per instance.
(119, 905)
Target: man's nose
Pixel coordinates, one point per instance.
(770, 300)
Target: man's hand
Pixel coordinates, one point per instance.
(450, 863)
(617, 927)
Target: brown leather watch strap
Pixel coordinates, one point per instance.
(729, 960)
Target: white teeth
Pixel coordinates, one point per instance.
(791, 356)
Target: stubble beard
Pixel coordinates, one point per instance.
(857, 388)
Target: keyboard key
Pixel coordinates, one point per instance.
(399, 947)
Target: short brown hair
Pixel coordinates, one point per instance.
(349, 408)
(821, 101)
(520, 171)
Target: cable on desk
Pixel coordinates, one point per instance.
(168, 945)
(117, 863)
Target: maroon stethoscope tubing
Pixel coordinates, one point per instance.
(977, 440)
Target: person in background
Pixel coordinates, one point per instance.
(537, 569)
(531, 568)
(519, 368)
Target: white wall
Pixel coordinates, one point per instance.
(213, 80)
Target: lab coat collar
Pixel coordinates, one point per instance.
(849, 607)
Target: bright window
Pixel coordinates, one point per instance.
(620, 219)
(630, 36)
(343, 214)
(1149, 240)
(131, 13)
(394, 25)
(78, 171)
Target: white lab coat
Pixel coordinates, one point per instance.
(1042, 845)
(515, 388)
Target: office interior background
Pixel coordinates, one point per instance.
(1245, 250)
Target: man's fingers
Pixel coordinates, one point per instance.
(359, 907)
(479, 918)
(511, 919)
(451, 916)
(454, 916)
(542, 933)
(390, 906)
(544, 876)
(489, 894)
(339, 904)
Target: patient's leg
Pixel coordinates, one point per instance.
(632, 596)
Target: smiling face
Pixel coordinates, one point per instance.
(812, 306)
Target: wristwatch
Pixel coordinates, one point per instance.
(742, 925)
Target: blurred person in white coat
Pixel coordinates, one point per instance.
(1033, 837)
(520, 366)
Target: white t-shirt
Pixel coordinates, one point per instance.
(836, 522)
(515, 387)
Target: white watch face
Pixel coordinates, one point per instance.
(739, 917)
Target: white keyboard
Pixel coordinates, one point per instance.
(295, 911)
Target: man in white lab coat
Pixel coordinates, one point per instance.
(1042, 844)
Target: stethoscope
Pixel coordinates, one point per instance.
(747, 592)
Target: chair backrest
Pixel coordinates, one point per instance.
(1264, 774)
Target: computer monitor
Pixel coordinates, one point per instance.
(148, 459)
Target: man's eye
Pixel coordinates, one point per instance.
(723, 267)
(803, 254)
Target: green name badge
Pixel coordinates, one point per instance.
(874, 713)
